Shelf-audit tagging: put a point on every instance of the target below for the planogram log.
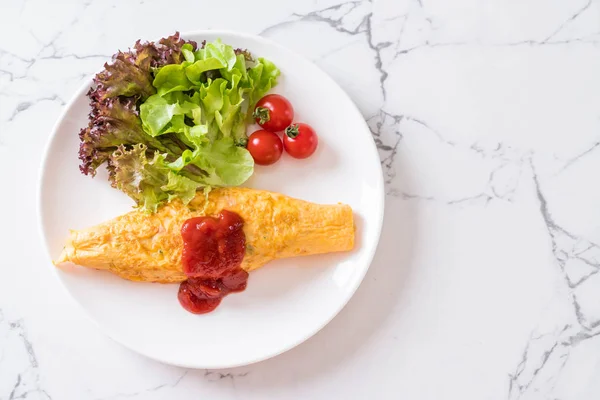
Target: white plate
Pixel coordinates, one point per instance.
(287, 301)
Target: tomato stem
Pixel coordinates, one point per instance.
(292, 131)
(262, 114)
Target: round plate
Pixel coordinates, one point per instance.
(286, 301)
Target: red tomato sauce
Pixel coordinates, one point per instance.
(213, 250)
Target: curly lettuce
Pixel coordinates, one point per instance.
(149, 181)
(169, 118)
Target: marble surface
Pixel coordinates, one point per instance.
(485, 284)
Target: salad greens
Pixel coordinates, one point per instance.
(169, 118)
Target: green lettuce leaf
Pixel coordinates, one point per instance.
(263, 77)
(171, 78)
(149, 180)
(188, 52)
(222, 52)
(181, 187)
(195, 72)
(161, 115)
(226, 163)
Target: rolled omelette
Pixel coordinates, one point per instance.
(140, 246)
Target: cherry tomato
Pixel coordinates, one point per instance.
(265, 147)
(274, 113)
(300, 140)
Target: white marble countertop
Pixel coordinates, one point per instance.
(485, 284)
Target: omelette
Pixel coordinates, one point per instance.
(140, 246)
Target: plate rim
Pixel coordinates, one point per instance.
(267, 355)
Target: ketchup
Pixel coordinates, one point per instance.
(213, 250)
